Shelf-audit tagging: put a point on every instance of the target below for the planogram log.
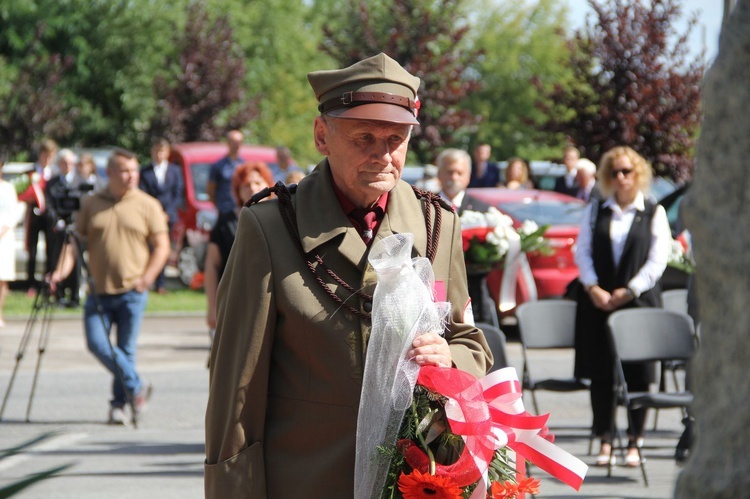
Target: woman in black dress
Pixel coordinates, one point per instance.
(623, 247)
(247, 180)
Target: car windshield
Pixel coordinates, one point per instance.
(544, 212)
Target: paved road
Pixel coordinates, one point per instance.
(163, 457)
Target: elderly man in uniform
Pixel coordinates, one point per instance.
(296, 296)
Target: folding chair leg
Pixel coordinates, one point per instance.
(533, 400)
(643, 465)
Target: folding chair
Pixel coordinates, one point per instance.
(496, 341)
(547, 324)
(650, 335)
(675, 300)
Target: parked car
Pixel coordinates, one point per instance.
(674, 278)
(198, 214)
(563, 213)
(101, 156)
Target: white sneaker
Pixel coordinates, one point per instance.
(117, 416)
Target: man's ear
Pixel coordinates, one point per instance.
(320, 132)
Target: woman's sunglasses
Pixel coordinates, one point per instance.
(625, 172)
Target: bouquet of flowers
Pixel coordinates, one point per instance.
(489, 237)
(29, 186)
(426, 432)
(455, 439)
(681, 253)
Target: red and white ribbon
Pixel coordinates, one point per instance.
(516, 264)
(489, 415)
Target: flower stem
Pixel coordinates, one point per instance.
(426, 447)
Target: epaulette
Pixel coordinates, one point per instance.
(260, 196)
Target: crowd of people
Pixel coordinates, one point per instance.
(119, 227)
(288, 284)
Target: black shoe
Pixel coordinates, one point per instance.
(682, 452)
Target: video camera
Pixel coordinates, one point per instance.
(66, 199)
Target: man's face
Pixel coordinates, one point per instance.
(123, 175)
(159, 154)
(66, 164)
(234, 141)
(570, 158)
(482, 153)
(366, 157)
(454, 177)
(584, 176)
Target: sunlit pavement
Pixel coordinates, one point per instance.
(163, 457)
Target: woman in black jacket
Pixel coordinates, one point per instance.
(623, 247)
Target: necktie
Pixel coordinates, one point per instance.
(367, 220)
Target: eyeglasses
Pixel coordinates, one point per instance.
(625, 172)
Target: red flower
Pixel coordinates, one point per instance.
(529, 486)
(463, 472)
(479, 232)
(503, 490)
(420, 486)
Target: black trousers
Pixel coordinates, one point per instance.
(38, 224)
(603, 408)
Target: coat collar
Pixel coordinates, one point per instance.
(320, 218)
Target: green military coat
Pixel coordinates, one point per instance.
(287, 360)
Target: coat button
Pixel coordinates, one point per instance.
(367, 306)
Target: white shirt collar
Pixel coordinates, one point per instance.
(639, 203)
(456, 201)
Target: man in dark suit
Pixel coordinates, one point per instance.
(58, 192)
(37, 221)
(454, 171)
(484, 173)
(163, 180)
(567, 184)
(588, 189)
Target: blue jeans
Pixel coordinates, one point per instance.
(125, 310)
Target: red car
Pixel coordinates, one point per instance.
(563, 214)
(198, 214)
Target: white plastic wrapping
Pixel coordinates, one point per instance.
(403, 308)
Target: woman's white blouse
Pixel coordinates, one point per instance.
(622, 220)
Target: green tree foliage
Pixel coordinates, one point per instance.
(633, 86)
(520, 41)
(427, 37)
(280, 40)
(202, 95)
(116, 47)
(32, 105)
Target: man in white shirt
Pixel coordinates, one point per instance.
(567, 184)
(454, 174)
(586, 179)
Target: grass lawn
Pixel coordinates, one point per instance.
(18, 305)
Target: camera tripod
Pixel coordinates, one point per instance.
(44, 306)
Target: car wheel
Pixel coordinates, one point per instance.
(187, 265)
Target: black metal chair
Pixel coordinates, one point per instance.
(547, 324)
(496, 341)
(650, 335)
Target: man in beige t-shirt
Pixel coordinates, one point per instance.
(126, 236)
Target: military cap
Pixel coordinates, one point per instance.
(377, 88)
